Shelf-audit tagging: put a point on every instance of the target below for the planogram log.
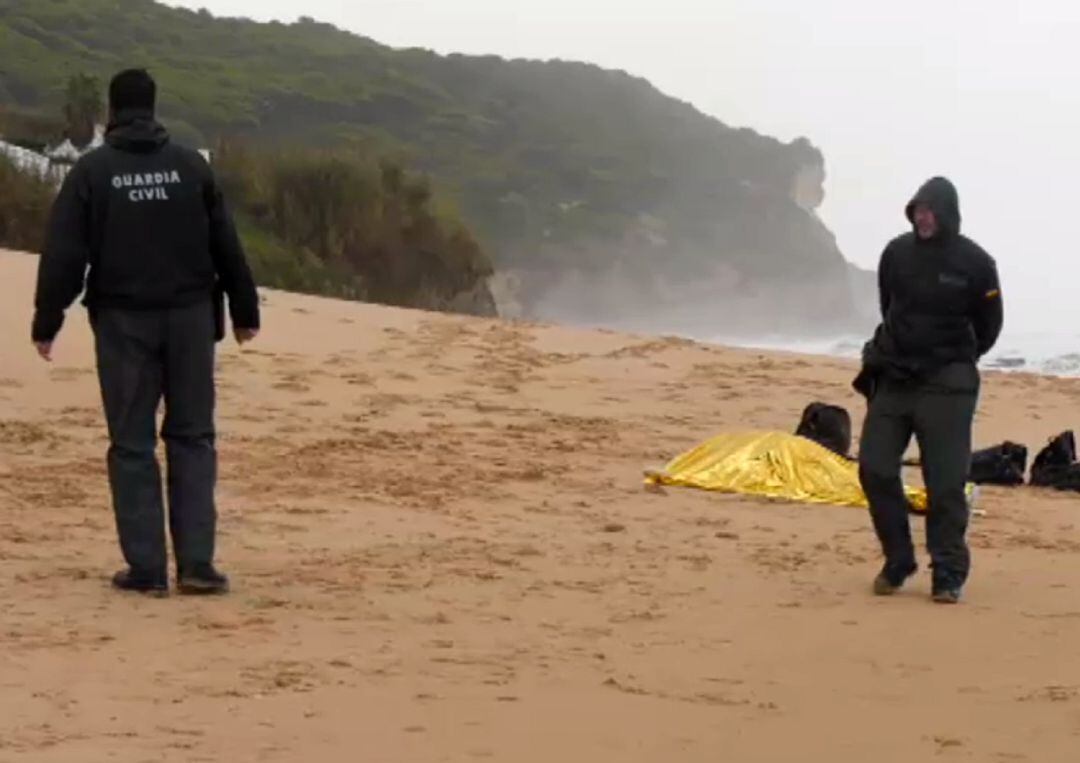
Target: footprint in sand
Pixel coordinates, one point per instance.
(69, 374)
(24, 433)
(1053, 694)
(947, 743)
(290, 386)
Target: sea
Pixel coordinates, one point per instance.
(1044, 353)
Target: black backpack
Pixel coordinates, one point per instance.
(827, 425)
(1004, 464)
(1056, 466)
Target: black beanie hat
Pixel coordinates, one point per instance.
(132, 89)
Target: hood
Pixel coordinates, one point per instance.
(137, 132)
(940, 195)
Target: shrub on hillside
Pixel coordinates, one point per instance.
(369, 231)
(24, 208)
(317, 222)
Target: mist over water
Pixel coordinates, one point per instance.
(1047, 353)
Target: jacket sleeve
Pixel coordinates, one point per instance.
(988, 315)
(234, 274)
(884, 281)
(62, 266)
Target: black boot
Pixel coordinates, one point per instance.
(892, 578)
(946, 590)
(140, 581)
(946, 595)
(202, 580)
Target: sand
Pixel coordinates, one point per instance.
(442, 551)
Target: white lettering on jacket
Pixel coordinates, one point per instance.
(147, 186)
(157, 193)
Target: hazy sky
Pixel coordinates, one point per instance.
(982, 91)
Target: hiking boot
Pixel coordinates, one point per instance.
(946, 595)
(202, 580)
(891, 579)
(140, 581)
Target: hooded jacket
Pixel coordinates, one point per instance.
(941, 305)
(141, 224)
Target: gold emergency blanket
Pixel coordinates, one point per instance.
(772, 465)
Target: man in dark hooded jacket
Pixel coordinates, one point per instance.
(941, 311)
(140, 222)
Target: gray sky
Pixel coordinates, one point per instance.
(982, 91)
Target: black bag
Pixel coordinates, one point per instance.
(827, 425)
(1056, 466)
(1004, 464)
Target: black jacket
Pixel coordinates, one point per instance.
(941, 303)
(141, 223)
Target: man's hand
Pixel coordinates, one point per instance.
(243, 336)
(44, 349)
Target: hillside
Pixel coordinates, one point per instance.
(598, 197)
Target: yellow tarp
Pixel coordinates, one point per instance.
(772, 465)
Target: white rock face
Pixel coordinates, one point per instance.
(808, 187)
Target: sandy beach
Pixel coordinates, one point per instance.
(441, 550)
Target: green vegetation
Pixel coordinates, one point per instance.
(554, 166)
(313, 221)
(84, 107)
(332, 224)
(29, 128)
(317, 222)
(24, 208)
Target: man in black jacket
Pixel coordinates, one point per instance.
(941, 311)
(141, 224)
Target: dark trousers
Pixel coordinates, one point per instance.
(941, 421)
(143, 357)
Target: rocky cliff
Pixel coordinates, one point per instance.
(755, 261)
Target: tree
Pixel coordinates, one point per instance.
(83, 108)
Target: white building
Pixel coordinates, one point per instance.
(33, 163)
(54, 164)
(66, 153)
